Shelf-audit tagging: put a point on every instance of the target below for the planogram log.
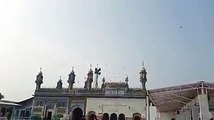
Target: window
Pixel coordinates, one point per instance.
(27, 114)
(17, 112)
(39, 103)
(61, 104)
(113, 92)
(121, 92)
(22, 114)
(107, 92)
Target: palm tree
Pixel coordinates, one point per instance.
(1, 96)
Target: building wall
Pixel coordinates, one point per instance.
(167, 115)
(127, 106)
(43, 105)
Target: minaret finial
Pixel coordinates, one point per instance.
(40, 69)
(142, 63)
(60, 77)
(90, 66)
(72, 67)
(143, 77)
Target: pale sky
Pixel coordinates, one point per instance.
(116, 34)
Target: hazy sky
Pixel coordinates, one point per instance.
(116, 34)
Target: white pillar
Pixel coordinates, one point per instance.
(147, 108)
(204, 106)
(195, 113)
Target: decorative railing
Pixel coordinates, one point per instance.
(85, 92)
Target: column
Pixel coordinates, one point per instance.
(147, 108)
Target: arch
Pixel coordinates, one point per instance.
(136, 116)
(91, 112)
(113, 116)
(77, 114)
(91, 115)
(105, 116)
(122, 116)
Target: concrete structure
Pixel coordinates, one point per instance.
(112, 101)
(185, 102)
(126, 106)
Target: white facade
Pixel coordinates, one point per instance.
(126, 106)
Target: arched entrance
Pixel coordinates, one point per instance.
(77, 114)
(136, 116)
(105, 116)
(91, 115)
(113, 116)
(122, 117)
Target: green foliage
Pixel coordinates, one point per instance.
(58, 116)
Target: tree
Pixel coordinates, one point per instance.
(1, 96)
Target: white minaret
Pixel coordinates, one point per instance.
(143, 77)
(39, 80)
